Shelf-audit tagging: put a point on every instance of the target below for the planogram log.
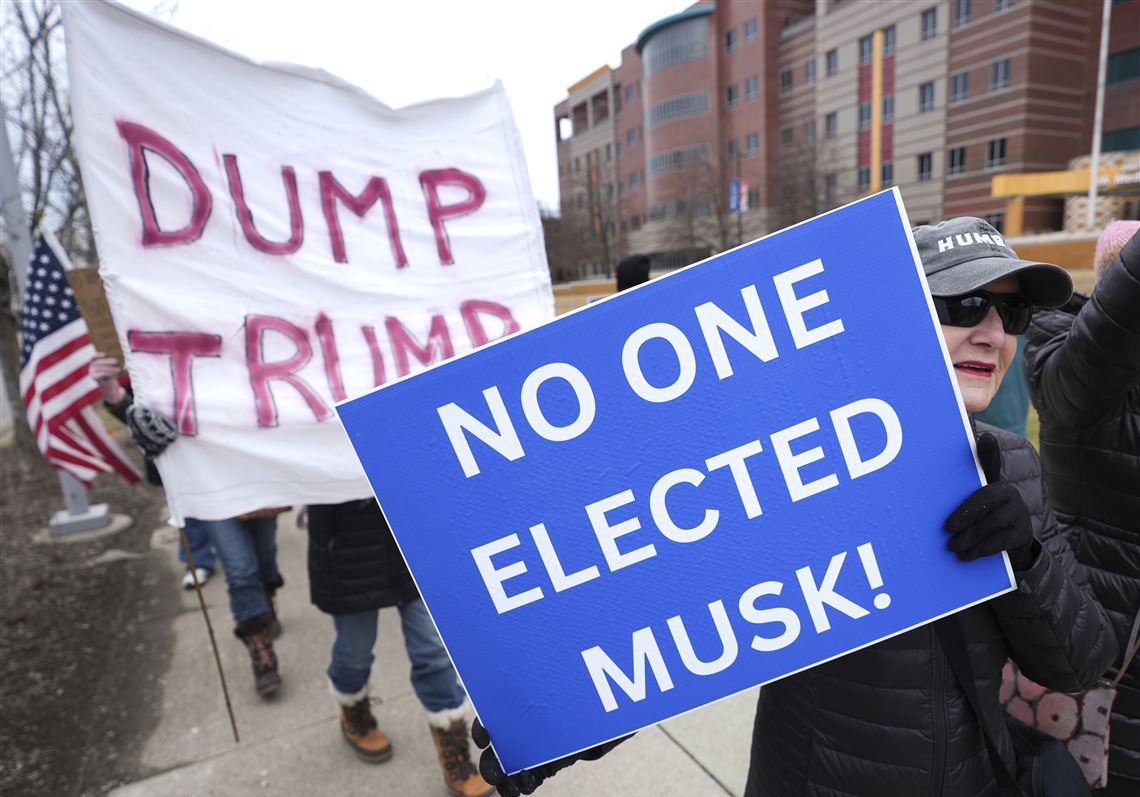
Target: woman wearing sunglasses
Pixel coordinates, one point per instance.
(898, 717)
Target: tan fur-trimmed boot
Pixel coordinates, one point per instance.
(453, 745)
(359, 729)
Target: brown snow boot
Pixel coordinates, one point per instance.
(459, 773)
(360, 732)
(258, 638)
(270, 595)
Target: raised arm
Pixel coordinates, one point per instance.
(1081, 377)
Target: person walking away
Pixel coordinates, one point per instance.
(117, 398)
(355, 569)
(1083, 363)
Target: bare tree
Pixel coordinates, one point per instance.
(34, 94)
(700, 220)
(590, 226)
(807, 183)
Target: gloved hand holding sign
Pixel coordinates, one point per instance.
(994, 518)
(527, 780)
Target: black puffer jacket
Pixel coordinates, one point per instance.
(354, 564)
(891, 719)
(1083, 363)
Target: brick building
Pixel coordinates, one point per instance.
(732, 119)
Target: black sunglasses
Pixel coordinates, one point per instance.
(969, 309)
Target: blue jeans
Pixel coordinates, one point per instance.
(200, 547)
(248, 552)
(433, 677)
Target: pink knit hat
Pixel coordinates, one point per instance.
(1111, 241)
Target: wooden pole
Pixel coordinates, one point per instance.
(210, 629)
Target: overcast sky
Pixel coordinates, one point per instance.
(405, 51)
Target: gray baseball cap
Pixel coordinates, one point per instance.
(963, 254)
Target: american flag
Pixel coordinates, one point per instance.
(57, 390)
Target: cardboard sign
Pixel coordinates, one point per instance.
(711, 481)
(88, 289)
(274, 240)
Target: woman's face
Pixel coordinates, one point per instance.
(982, 353)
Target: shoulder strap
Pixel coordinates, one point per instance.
(949, 633)
(1129, 651)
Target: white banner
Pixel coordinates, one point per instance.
(274, 240)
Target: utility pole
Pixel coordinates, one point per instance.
(1098, 115)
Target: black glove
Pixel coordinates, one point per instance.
(527, 780)
(994, 518)
(151, 430)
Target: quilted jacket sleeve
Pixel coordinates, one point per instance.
(1058, 633)
(1082, 376)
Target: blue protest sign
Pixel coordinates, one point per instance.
(703, 484)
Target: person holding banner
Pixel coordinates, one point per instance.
(918, 713)
(1083, 361)
(117, 399)
(355, 569)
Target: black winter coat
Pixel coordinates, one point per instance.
(892, 720)
(354, 564)
(1083, 364)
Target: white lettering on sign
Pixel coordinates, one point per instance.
(503, 439)
(715, 325)
(645, 648)
(608, 531)
(794, 308)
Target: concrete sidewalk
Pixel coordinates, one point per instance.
(291, 745)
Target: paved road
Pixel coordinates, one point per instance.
(291, 745)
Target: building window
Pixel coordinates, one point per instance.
(809, 132)
(731, 96)
(888, 108)
(730, 40)
(809, 72)
(631, 137)
(617, 149)
(752, 88)
(609, 152)
(1123, 65)
(629, 94)
(995, 153)
(865, 115)
(926, 97)
(733, 149)
(961, 13)
(925, 167)
(785, 81)
(957, 161)
(750, 29)
(678, 108)
(865, 50)
(752, 144)
(1002, 5)
(960, 87)
(888, 174)
(635, 222)
(633, 181)
(996, 220)
(578, 199)
(888, 40)
(831, 124)
(753, 197)
(831, 187)
(786, 138)
(577, 165)
(831, 62)
(864, 178)
(678, 159)
(999, 74)
(1121, 140)
(677, 44)
(929, 23)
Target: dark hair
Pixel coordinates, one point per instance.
(632, 270)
